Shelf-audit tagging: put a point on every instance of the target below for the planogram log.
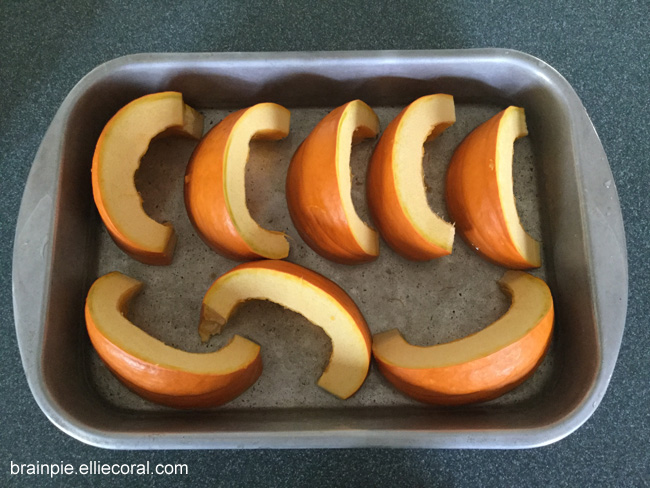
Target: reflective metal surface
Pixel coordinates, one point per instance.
(566, 196)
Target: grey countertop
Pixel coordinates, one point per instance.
(602, 50)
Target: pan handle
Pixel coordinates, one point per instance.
(606, 243)
(32, 255)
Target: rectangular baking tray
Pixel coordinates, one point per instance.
(565, 194)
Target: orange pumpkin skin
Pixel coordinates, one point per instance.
(170, 387)
(205, 199)
(479, 380)
(313, 195)
(319, 281)
(472, 196)
(385, 207)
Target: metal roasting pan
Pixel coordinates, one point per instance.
(565, 196)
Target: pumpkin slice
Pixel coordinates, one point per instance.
(481, 366)
(396, 191)
(480, 196)
(158, 372)
(319, 187)
(121, 145)
(321, 301)
(215, 188)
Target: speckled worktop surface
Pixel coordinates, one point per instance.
(602, 50)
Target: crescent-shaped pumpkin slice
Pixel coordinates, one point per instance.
(158, 372)
(120, 147)
(319, 187)
(301, 290)
(215, 188)
(396, 191)
(481, 366)
(480, 197)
